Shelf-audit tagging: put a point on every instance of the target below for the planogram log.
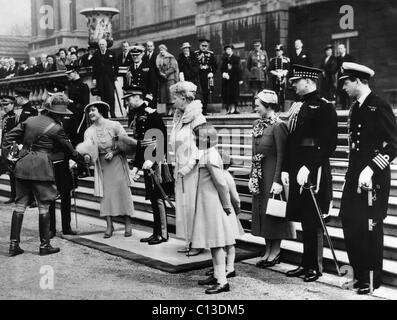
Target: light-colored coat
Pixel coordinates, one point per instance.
(91, 143)
(183, 143)
(212, 227)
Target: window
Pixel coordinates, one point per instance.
(128, 11)
(344, 38)
(164, 10)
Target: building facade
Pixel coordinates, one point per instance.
(366, 27)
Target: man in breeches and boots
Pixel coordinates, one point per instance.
(373, 146)
(313, 138)
(34, 170)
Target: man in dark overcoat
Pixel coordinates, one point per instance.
(34, 171)
(373, 146)
(145, 121)
(27, 110)
(104, 73)
(312, 141)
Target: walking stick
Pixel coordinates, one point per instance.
(320, 216)
(118, 98)
(74, 197)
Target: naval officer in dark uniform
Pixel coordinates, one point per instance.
(9, 123)
(145, 120)
(313, 138)
(34, 172)
(208, 67)
(27, 110)
(141, 74)
(373, 146)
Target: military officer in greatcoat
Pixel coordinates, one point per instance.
(279, 69)
(27, 110)
(312, 141)
(79, 94)
(9, 123)
(34, 171)
(257, 65)
(208, 67)
(141, 74)
(145, 121)
(373, 146)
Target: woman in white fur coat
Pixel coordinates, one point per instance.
(188, 115)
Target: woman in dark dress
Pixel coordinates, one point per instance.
(231, 80)
(268, 145)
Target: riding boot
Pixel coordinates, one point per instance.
(44, 229)
(16, 226)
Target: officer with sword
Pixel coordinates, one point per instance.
(306, 169)
(373, 146)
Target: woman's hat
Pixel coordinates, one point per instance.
(100, 105)
(186, 45)
(328, 46)
(58, 104)
(228, 46)
(268, 97)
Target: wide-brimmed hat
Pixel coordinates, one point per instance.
(57, 107)
(186, 45)
(100, 105)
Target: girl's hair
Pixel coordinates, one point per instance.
(206, 136)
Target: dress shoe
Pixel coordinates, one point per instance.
(210, 273)
(210, 281)
(109, 235)
(70, 232)
(311, 275)
(184, 250)
(231, 275)
(48, 249)
(268, 264)
(194, 252)
(300, 271)
(10, 201)
(364, 289)
(146, 240)
(218, 289)
(157, 240)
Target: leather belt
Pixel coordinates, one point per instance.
(41, 150)
(310, 143)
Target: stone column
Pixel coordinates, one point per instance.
(64, 6)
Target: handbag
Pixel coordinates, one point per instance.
(276, 207)
(167, 177)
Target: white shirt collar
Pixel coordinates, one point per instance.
(366, 93)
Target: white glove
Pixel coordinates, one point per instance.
(303, 176)
(285, 178)
(365, 179)
(147, 165)
(20, 147)
(94, 83)
(241, 83)
(276, 188)
(134, 174)
(72, 164)
(210, 75)
(150, 110)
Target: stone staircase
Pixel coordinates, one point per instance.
(235, 138)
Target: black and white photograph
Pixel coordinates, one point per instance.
(203, 157)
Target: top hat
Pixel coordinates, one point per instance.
(355, 70)
(304, 72)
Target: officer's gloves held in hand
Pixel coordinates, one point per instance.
(365, 179)
(303, 176)
(285, 178)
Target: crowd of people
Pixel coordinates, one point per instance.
(163, 69)
(291, 157)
